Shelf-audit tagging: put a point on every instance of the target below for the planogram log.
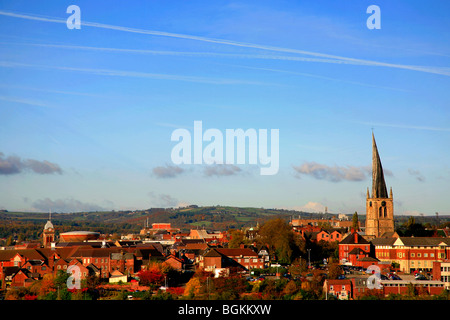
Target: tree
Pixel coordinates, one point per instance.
(291, 288)
(230, 288)
(355, 221)
(9, 241)
(152, 276)
(298, 266)
(334, 271)
(277, 234)
(237, 238)
(412, 228)
(193, 287)
(47, 285)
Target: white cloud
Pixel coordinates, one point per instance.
(314, 207)
(416, 174)
(221, 170)
(15, 165)
(167, 171)
(332, 173)
(163, 200)
(65, 205)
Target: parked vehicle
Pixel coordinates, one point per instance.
(420, 277)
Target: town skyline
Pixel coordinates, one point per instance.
(88, 113)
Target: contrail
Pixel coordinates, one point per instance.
(185, 53)
(135, 74)
(434, 70)
(404, 126)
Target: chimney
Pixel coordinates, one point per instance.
(356, 237)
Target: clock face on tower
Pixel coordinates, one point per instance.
(383, 204)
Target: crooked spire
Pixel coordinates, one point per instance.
(379, 189)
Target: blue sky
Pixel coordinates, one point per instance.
(87, 115)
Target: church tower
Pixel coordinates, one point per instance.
(379, 205)
(49, 232)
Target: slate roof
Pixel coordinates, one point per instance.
(383, 241)
(237, 252)
(350, 239)
(422, 241)
(379, 189)
(30, 254)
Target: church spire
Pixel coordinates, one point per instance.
(379, 189)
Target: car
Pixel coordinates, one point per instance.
(341, 277)
(383, 277)
(394, 277)
(420, 277)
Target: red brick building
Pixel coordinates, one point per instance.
(403, 287)
(441, 272)
(223, 258)
(176, 263)
(341, 289)
(329, 236)
(353, 248)
(412, 253)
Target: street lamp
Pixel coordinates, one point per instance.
(309, 258)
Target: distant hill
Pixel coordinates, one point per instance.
(209, 217)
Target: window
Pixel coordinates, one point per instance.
(413, 255)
